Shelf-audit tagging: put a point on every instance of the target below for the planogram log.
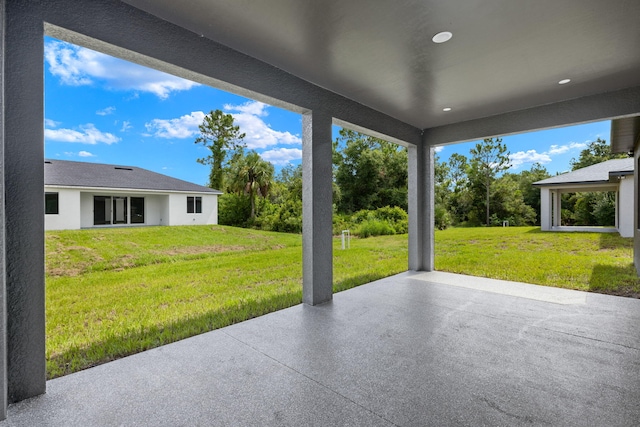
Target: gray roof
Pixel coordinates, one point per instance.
(82, 174)
(598, 173)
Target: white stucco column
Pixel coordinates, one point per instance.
(421, 207)
(545, 209)
(557, 209)
(317, 199)
(617, 206)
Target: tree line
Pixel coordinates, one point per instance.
(370, 185)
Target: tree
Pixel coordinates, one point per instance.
(597, 151)
(488, 158)
(370, 172)
(442, 217)
(251, 175)
(221, 137)
(594, 208)
(531, 194)
(459, 199)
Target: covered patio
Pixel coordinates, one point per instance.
(412, 349)
(404, 351)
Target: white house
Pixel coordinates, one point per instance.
(87, 195)
(613, 175)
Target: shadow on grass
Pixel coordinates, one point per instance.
(352, 282)
(614, 241)
(118, 346)
(615, 280)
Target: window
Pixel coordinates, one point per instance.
(194, 204)
(101, 210)
(51, 203)
(137, 210)
(119, 210)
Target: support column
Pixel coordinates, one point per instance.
(3, 270)
(23, 175)
(317, 208)
(617, 211)
(421, 208)
(557, 209)
(545, 209)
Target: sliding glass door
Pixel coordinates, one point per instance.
(114, 210)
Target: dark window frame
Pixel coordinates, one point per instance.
(194, 204)
(135, 216)
(51, 203)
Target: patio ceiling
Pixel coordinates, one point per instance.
(504, 55)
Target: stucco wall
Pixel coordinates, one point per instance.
(68, 217)
(154, 208)
(76, 209)
(625, 207)
(178, 210)
(636, 205)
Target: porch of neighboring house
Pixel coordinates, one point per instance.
(412, 349)
(615, 176)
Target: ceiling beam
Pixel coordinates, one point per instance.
(603, 106)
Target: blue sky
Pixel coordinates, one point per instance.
(105, 110)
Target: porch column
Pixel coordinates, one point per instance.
(617, 209)
(545, 209)
(421, 207)
(317, 199)
(22, 226)
(557, 209)
(3, 282)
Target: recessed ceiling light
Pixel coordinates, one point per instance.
(564, 81)
(442, 37)
(446, 109)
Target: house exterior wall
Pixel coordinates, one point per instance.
(154, 208)
(625, 207)
(75, 209)
(68, 216)
(178, 210)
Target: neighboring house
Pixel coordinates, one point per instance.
(86, 195)
(612, 175)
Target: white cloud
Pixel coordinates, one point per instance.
(255, 108)
(125, 126)
(439, 148)
(530, 156)
(182, 127)
(78, 66)
(85, 154)
(87, 134)
(281, 156)
(258, 133)
(106, 111)
(51, 123)
(561, 149)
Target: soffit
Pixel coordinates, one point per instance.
(504, 55)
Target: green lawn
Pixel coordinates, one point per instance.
(598, 262)
(114, 292)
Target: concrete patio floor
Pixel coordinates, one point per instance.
(415, 349)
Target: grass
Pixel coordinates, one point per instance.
(598, 262)
(115, 292)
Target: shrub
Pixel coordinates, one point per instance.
(442, 218)
(234, 210)
(374, 227)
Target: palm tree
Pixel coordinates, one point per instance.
(251, 175)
